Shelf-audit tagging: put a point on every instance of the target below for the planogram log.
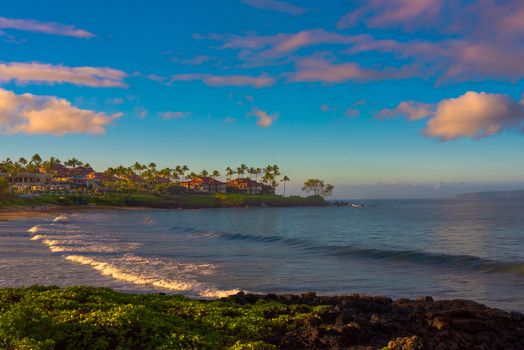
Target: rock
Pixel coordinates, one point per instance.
(406, 343)
(439, 323)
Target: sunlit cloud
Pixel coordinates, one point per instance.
(53, 28)
(27, 73)
(227, 80)
(274, 5)
(174, 115)
(32, 114)
(475, 115)
(265, 120)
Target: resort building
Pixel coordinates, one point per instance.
(248, 186)
(204, 185)
(30, 181)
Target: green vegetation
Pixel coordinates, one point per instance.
(41, 318)
(4, 189)
(186, 201)
(318, 187)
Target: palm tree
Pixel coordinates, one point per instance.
(284, 180)
(204, 173)
(251, 171)
(258, 171)
(215, 174)
(36, 162)
(229, 173)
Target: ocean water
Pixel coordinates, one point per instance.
(468, 249)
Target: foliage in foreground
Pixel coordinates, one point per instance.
(99, 318)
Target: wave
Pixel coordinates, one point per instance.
(137, 270)
(468, 262)
(61, 218)
(34, 229)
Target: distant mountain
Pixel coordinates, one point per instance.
(492, 195)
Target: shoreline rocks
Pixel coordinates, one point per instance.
(364, 322)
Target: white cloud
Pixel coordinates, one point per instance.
(32, 114)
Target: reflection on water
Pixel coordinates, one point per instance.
(448, 249)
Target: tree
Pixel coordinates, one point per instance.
(4, 189)
(204, 173)
(215, 174)
(318, 187)
(284, 180)
(229, 173)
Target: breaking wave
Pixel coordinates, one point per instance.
(144, 271)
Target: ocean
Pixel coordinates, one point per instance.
(466, 249)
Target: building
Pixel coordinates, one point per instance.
(30, 181)
(204, 185)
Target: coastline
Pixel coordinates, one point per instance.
(249, 321)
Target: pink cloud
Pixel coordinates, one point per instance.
(475, 115)
(174, 115)
(274, 5)
(227, 80)
(321, 70)
(265, 119)
(25, 73)
(54, 28)
(386, 13)
(325, 108)
(32, 114)
(410, 109)
(352, 113)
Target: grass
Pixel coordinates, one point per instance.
(189, 201)
(41, 318)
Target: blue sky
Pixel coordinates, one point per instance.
(380, 98)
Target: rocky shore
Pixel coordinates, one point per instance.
(362, 322)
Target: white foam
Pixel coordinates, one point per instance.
(60, 218)
(137, 270)
(34, 229)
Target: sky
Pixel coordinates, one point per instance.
(381, 98)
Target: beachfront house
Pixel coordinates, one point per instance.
(204, 184)
(30, 181)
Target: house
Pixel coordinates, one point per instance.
(248, 186)
(204, 185)
(30, 181)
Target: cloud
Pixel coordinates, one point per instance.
(325, 108)
(321, 70)
(475, 115)
(193, 61)
(174, 115)
(386, 13)
(352, 113)
(25, 73)
(54, 28)
(32, 114)
(273, 5)
(227, 80)
(265, 120)
(230, 120)
(410, 109)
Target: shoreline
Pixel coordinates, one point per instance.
(252, 321)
